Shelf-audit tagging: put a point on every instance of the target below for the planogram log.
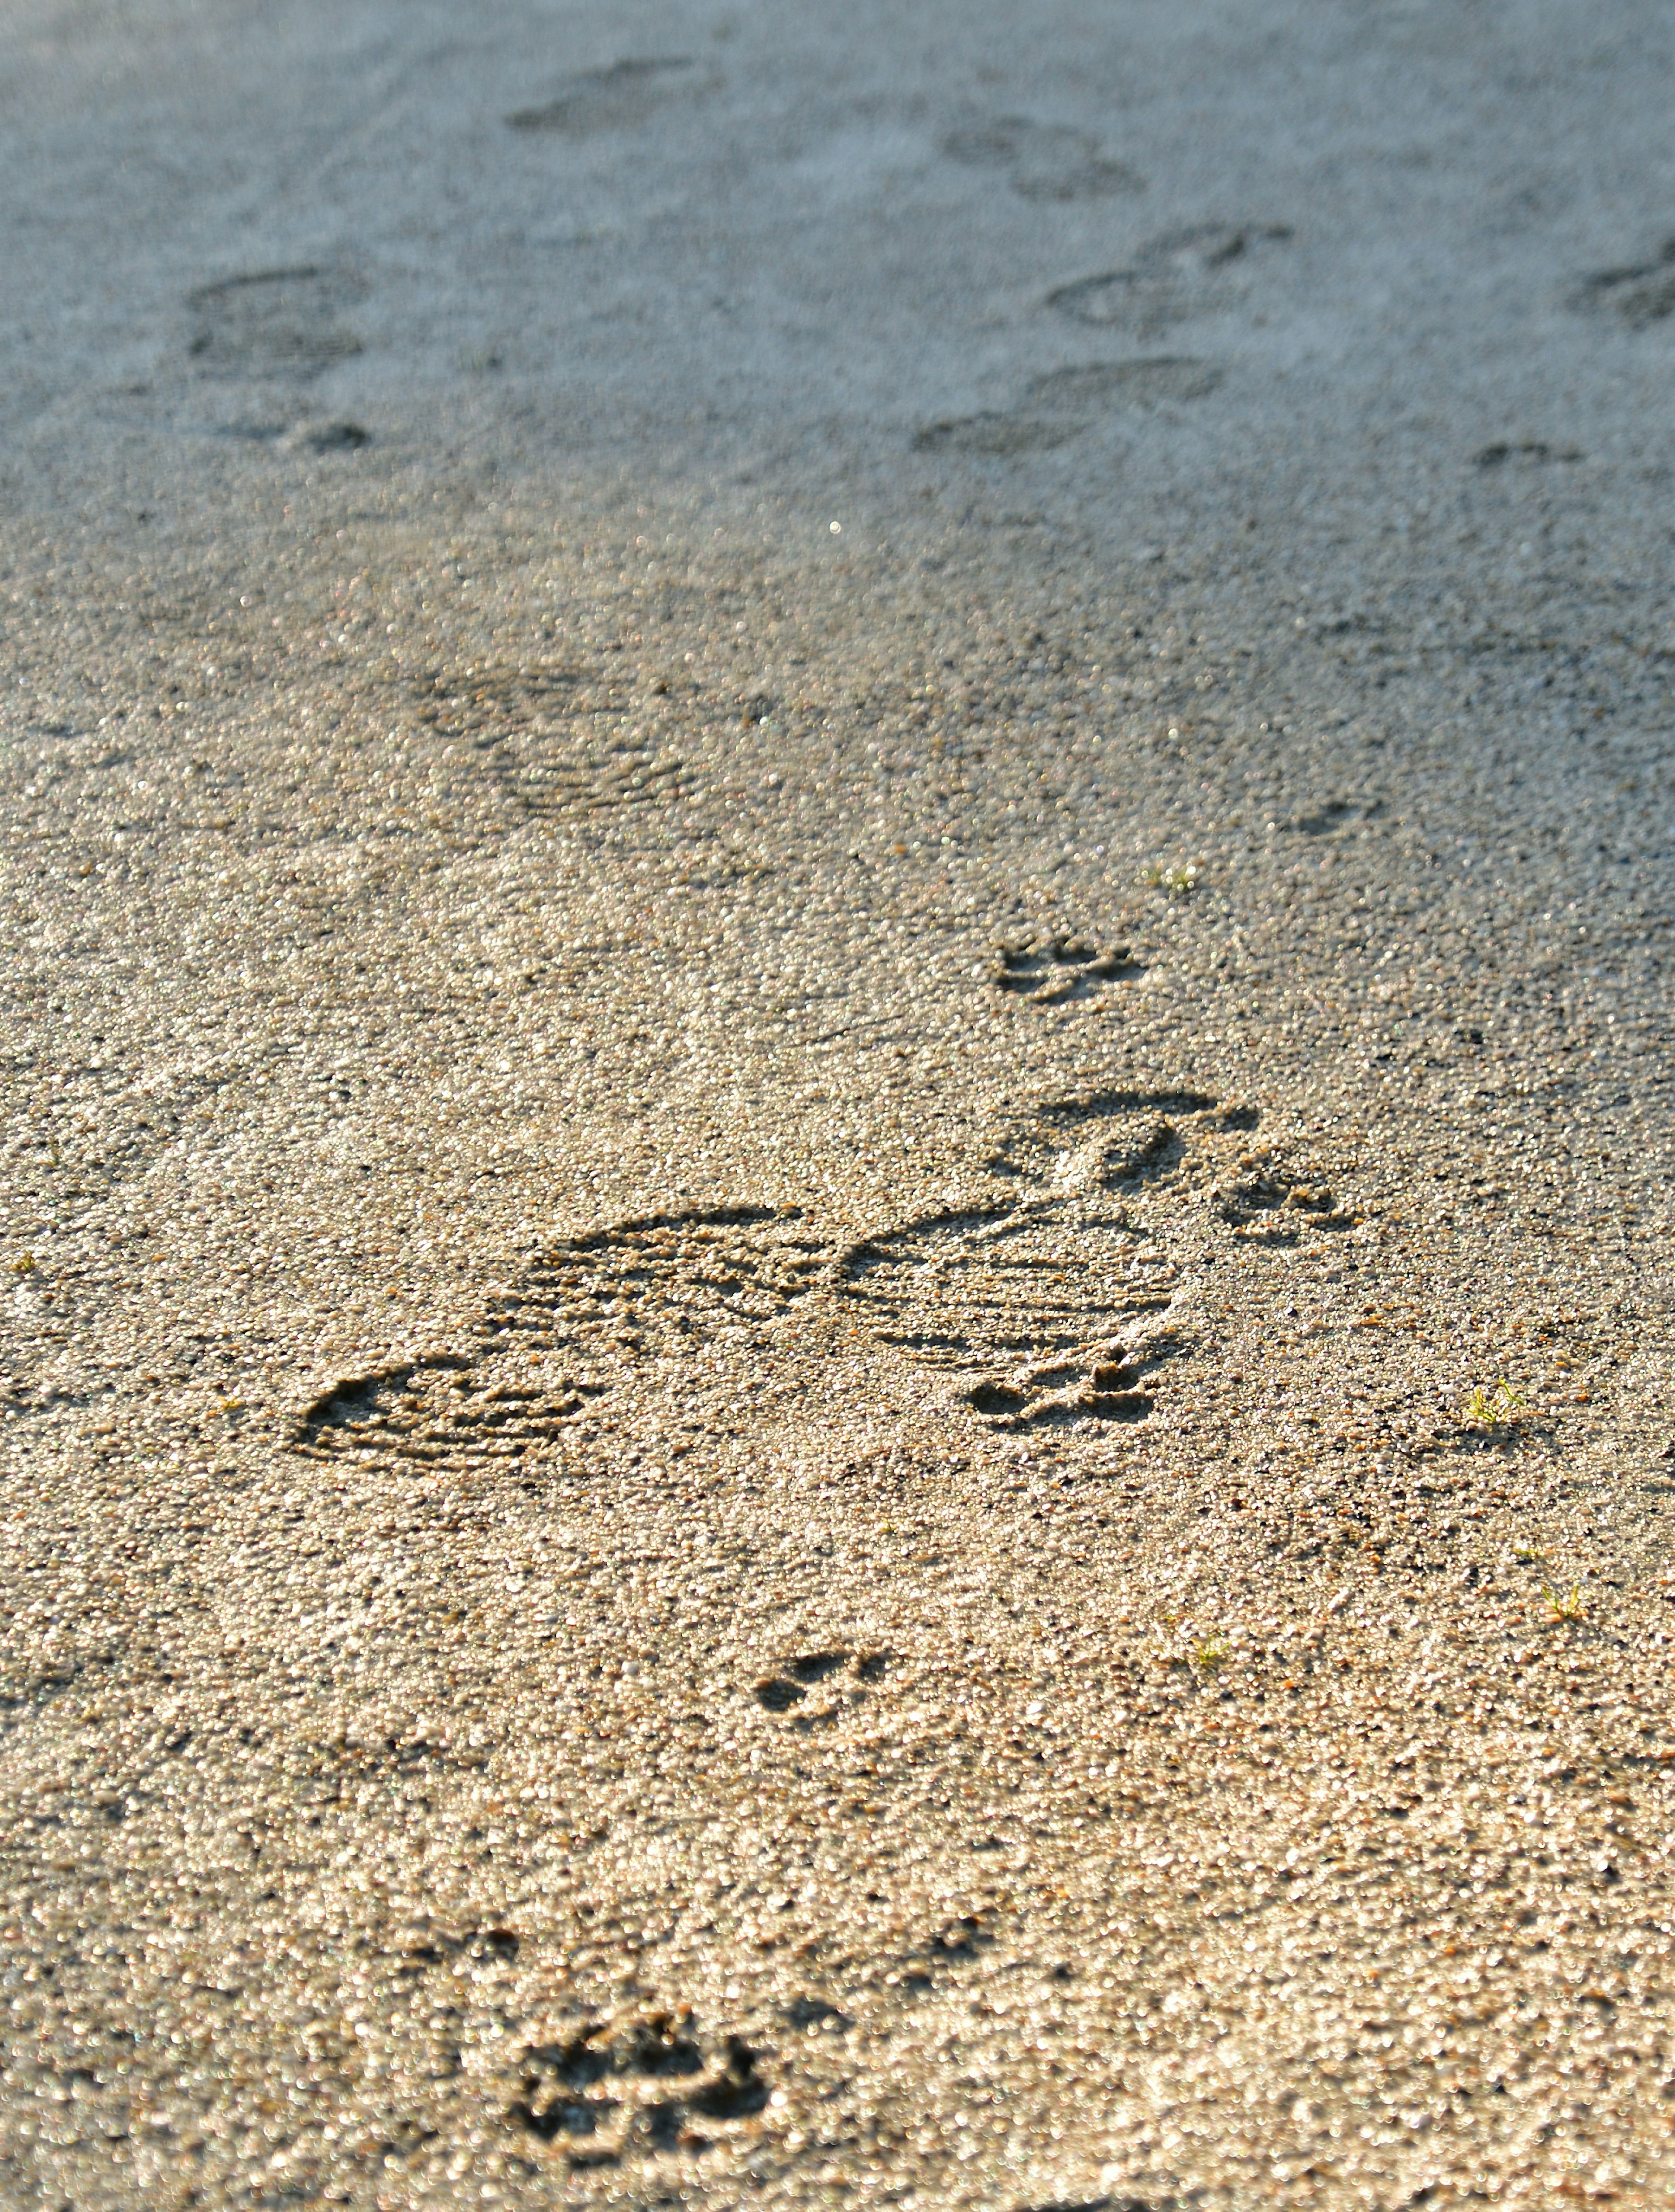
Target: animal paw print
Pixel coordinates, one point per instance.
(1052, 970)
(788, 1692)
(651, 2085)
(1262, 1207)
(1105, 1382)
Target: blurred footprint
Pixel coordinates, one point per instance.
(994, 434)
(1143, 383)
(1063, 403)
(1188, 272)
(1639, 296)
(1043, 161)
(275, 322)
(612, 98)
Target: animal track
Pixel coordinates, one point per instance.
(1042, 161)
(560, 744)
(1049, 971)
(1063, 403)
(590, 1309)
(612, 98)
(275, 322)
(607, 2092)
(1262, 1207)
(1183, 273)
(787, 1692)
(1640, 295)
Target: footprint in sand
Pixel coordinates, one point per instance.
(994, 435)
(1051, 971)
(615, 98)
(1061, 404)
(275, 322)
(1057, 1292)
(1061, 1300)
(1197, 270)
(1639, 296)
(615, 2092)
(560, 742)
(590, 1311)
(1040, 160)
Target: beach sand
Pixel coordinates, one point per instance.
(838, 1362)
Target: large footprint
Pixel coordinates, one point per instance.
(1057, 1291)
(1181, 274)
(1059, 1300)
(592, 1310)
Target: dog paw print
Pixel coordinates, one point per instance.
(1101, 1382)
(1052, 970)
(813, 1675)
(1262, 1207)
(955, 1944)
(606, 2094)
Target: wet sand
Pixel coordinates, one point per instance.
(837, 902)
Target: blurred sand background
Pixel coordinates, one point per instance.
(836, 1016)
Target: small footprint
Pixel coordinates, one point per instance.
(1639, 296)
(645, 2086)
(788, 1692)
(1053, 970)
(275, 322)
(1262, 1207)
(1042, 161)
(1183, 273)
(612, 98)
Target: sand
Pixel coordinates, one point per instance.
(837, 1361)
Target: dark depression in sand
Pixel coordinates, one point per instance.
(835, 1030)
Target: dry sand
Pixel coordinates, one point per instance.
(836, 1016)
